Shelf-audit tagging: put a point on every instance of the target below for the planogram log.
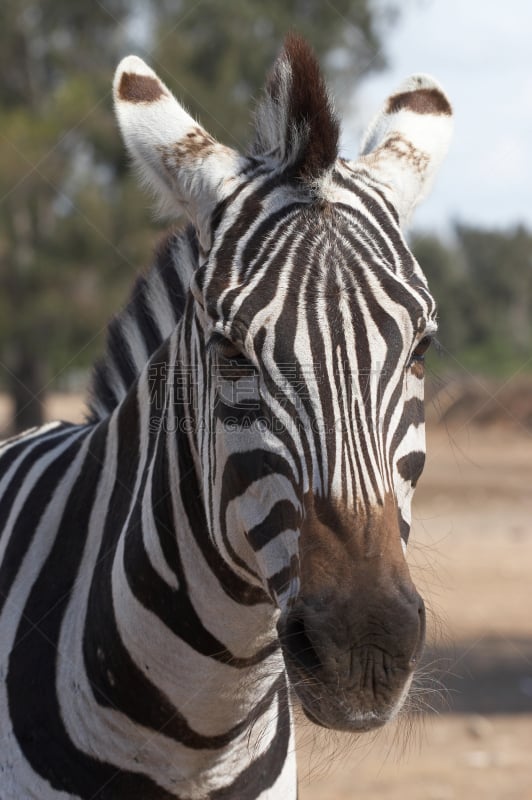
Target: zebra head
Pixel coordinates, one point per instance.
(307, 324)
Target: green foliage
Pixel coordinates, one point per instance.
(61, 242)
(482, 282)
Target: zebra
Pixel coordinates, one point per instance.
(226, 531)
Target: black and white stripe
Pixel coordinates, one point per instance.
(241, 487)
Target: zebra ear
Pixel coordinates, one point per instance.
(407, 141)
(186, 169)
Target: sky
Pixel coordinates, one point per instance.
(480, 51)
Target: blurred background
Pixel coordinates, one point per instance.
(75, 229)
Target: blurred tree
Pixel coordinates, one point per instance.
(59, 146)
(482, 282)
(499, 267)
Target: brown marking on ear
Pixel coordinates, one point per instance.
(403, 149)
(420, 101)
(135, 88)
(196, 144)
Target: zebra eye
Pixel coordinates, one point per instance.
(421, 349)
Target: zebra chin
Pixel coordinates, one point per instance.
(342, 714)
(349, 721)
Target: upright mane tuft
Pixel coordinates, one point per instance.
(295, 122)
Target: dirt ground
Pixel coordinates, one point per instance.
(471, 556)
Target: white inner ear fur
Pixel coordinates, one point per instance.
(184, 167)
(406, 142)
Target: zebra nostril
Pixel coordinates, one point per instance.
(299, 645)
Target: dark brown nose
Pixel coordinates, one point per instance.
(351, 658)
